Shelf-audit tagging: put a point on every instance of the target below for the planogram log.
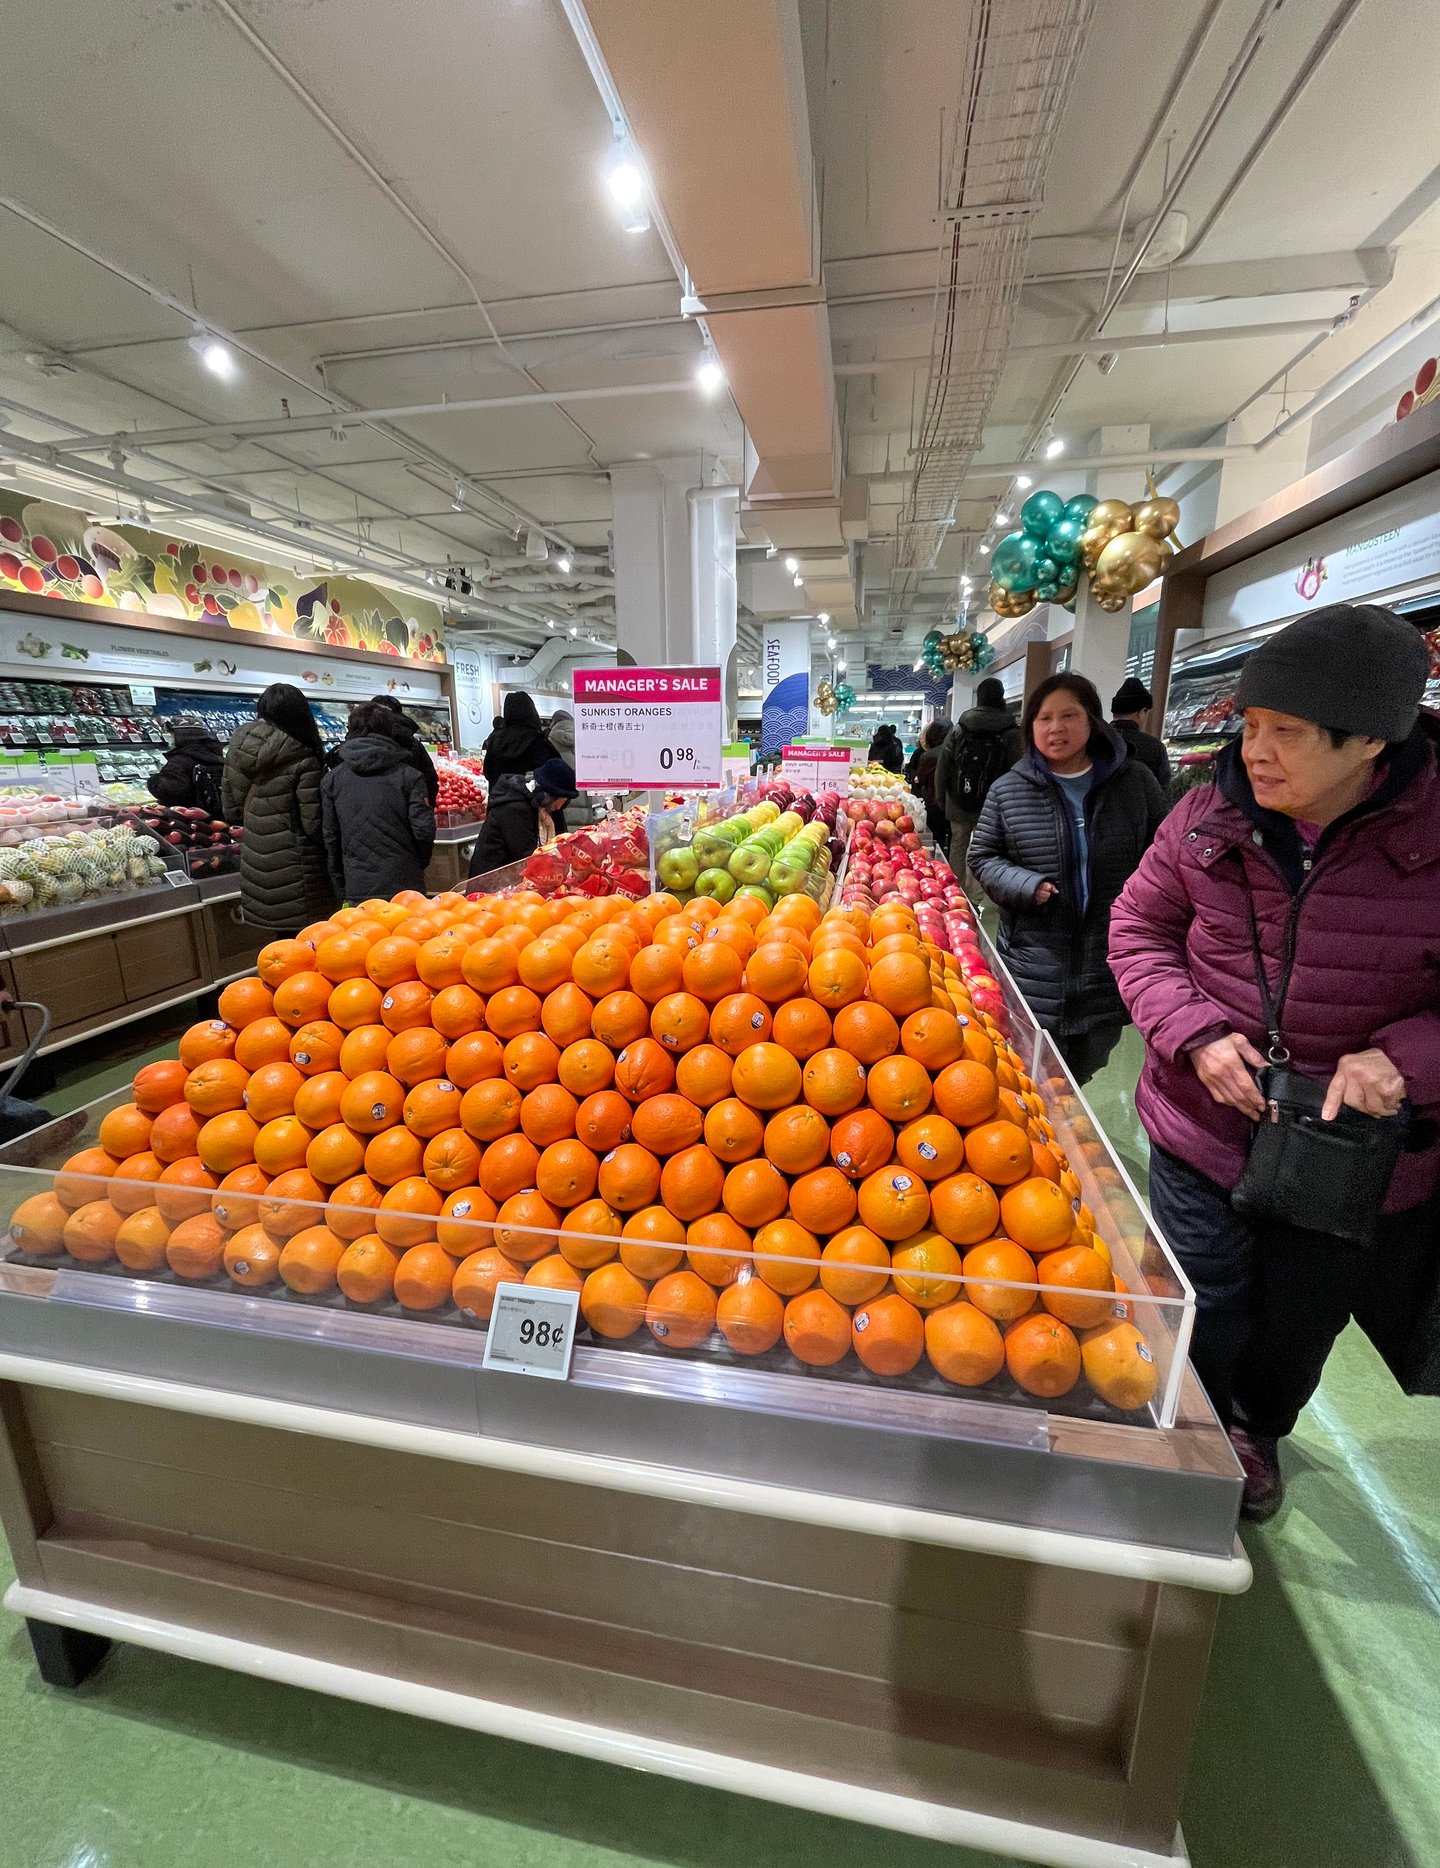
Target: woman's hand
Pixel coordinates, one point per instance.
(1223, 1066)
(1367, 1081)
(1046, 892)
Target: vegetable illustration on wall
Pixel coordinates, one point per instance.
(57, 551)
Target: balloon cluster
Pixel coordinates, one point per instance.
(834, 697)
(844, 697)
(1121, 547)
(948, 655)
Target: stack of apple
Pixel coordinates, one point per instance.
(784, 844)
(459, 795)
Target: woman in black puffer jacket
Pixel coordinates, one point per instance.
(1059, 836)
(273, 768)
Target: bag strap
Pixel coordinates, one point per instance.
(1272, 1005)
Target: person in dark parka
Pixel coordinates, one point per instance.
(1059, 836)
(513, 815)
(886, 750)
(379, 826)
(271, 789)
(1131, 703)
(416, 751)
(193, 766)
(518, 744)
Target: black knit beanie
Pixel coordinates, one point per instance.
(1132, 696)
(1352, 666)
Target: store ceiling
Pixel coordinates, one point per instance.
(368, 197)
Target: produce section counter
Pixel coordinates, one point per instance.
(1007, 1605)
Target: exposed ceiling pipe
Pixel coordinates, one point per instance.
(303, 424)
(1101, 346)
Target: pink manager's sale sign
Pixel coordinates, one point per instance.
(652, 729)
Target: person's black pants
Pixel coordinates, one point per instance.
(938, 825)
(1089, 1051)
(1271, 1298)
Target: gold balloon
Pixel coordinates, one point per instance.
(1112, 604)
(995, 595)
(1158, 516)
(1132, 560)
(1113, 514)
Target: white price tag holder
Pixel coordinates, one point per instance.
(649, 729)
(532, 1331)
(142, 694)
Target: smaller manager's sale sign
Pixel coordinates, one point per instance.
(649, 729)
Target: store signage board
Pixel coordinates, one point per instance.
(474, 709)
(54, 646)
(654, 729)
(816, 768)
(142, 693)
(532, 1331)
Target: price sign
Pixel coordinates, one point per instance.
(532, 1330)
(656, 729)
(816, 768)
(142, 694)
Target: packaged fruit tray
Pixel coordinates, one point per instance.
(785, 1139)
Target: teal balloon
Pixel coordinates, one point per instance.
(1041, 511)
(1062, 541)
(932, 640)
(1047, 571)
(1013, 565)
(1047, 591)
(1081, 507)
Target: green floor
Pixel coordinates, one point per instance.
(1318, 1741)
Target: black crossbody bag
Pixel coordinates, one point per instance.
(1328, 1177)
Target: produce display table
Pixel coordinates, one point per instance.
(451, 861)
(978, 1622)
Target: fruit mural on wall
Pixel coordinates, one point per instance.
(48, 550)
(735, 1129)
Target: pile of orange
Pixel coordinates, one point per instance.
(783, 1126)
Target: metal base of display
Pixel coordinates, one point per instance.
(935, 1822)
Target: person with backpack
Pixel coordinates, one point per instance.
(193, 768)
(984, 745)
(1061, 834)
(928, 750)
(271, 788)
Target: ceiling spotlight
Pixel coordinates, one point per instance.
(574, 631)
(562, 565)
(984, 551)
(964, 581)
(920, 663)
(1023, 481)
(824, 617)
(830, 642)
(458, 503)
(1003, 518)
(771, 551)
(839, 668)
(792, 565)
(799, 581)
(709, 377)
(338, 434)
(218, 358)
(625, 180)
(1054, 448)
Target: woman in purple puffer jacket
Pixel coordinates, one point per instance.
(1327, 817)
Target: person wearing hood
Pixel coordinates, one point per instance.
(984, 744)
(193, 768)
(415, 748)
(560, 731)
(518, 744)
(520, 814)
(379, 827)
(929, 748)
(1313, 860)
(1060, 835)
(1133, 700)
(886, 750)
(271, 790)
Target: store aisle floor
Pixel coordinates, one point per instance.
(1316, 1744)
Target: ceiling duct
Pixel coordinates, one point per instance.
(1020, 62)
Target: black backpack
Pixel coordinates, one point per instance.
(980, 761)
(205, 788)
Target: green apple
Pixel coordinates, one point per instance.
(719, 884)
(712, 846)
(751, 862)
(678, 869)
(758, 892)
(788, 878)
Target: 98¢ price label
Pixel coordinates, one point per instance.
(532, 1331)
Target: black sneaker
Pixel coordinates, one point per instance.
(1259, 1455)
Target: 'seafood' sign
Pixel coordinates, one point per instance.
(649, 729)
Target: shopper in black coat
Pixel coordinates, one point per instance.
(886, 750)
(1133, 700)
(193, 768)
(515, 812)
(518, 744)
(379, 827)
(1059, 836)
(416, 750)
(271, 789)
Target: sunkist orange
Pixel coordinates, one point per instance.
(420, 1099)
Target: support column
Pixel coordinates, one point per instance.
(675, 568)
(1101, 643)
